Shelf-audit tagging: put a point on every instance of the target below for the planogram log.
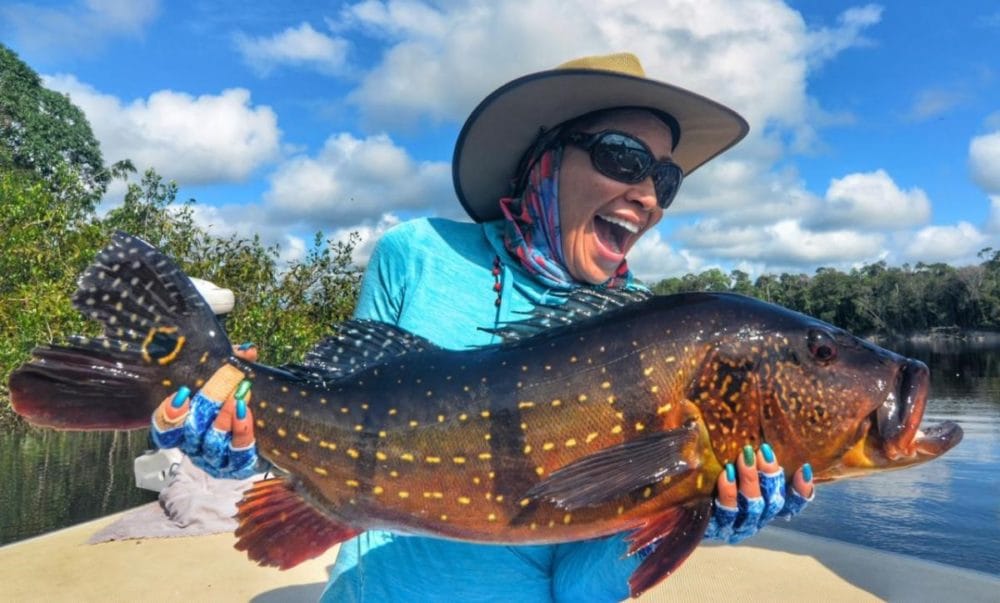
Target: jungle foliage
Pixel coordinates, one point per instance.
(876, 298)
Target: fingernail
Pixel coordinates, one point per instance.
(242, 389)
(807, 472)
(241, 409)
(765, 449)
(246, 346)
(730, 473)
(748, 455)
(180, 397)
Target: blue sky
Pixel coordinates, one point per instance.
(875, 127)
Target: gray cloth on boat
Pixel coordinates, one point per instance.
(194, 503)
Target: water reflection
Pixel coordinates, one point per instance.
(52, 480)
(947, 510)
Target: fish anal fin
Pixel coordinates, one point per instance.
(278, 528)
(674, 535)
(616, 471)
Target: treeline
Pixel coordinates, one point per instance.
(874, 299)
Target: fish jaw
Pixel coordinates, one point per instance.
(891, 437)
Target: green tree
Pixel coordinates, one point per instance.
(43, 133)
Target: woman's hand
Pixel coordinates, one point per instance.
(217, 436)
(752, 493)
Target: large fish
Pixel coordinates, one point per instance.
(610, 413)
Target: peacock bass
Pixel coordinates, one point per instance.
(612, 412)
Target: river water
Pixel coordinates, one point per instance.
(946, 511)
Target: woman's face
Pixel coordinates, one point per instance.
(601, 218)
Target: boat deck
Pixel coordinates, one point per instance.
(776, 565)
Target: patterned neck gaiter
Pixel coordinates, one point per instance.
(532, 232)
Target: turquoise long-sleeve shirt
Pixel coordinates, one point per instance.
(435, 278)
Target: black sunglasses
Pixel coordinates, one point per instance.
(627, 159)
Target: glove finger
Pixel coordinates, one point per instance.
(215, 451)
(198, 423)
(720, 524)
(242, 462)
(772, 488)
(748, 517)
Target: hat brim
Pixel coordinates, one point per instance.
(507, 121)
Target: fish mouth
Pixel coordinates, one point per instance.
(892, 437)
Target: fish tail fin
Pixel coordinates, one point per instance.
(674, 534)
(158, 334)
(278, 528)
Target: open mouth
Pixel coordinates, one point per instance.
(615, 233)
(898, 419)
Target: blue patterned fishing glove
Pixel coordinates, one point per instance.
(194, 432)
(734, 525)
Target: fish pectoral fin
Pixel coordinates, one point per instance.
(614, 472)
(674, 533)
(277, 527)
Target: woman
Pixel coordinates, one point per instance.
(584, 159)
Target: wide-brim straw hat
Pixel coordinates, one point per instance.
(507, 121)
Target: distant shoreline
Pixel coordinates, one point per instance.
(942, 336)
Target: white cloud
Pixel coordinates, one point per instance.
(984, 159)
(81, 26)
(955, 244)
(353, 179)
(194, 140)
(754, 55)
(300, 46)
(653, 259)
(368, 233)
(786, 242)
(871, 201)
(933, 102)
(851, 24)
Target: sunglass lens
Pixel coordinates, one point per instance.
(621, 157)
(667, 179)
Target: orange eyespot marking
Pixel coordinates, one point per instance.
(162, 344)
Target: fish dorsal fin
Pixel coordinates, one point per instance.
(580, 304)
(132, 288)
(355, 345)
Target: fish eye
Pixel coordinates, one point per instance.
(822, 346)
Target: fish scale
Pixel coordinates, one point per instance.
(614, 412)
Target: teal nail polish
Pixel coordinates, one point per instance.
(180, 397)
(246, 346)
(748, 455)
(730, 473)
(807, 472)
(768, 453)
(241, 409)
(242, 389)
